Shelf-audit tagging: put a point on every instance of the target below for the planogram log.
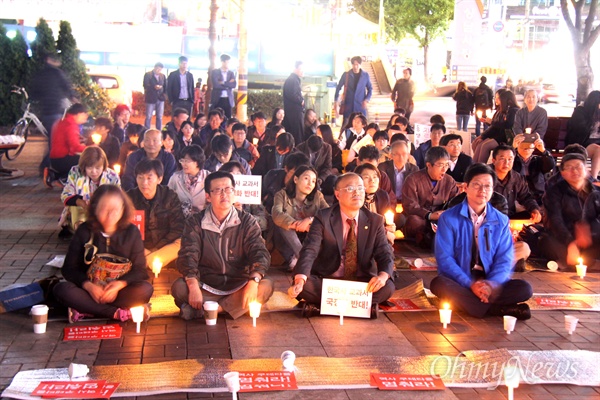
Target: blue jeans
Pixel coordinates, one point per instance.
(159, 107)
(462, 121)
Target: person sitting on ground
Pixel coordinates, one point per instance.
(437, 119)
(108, 229)
(531, 116)
(459, 161)
(170, 144)
(229, 126)
(188, 183)
(370, 155)
(424, 194)
(411, 147)
(345, 241)
(533, 168)
(584, 128)
(311, 122)
(84, 178)
(199, 123)
(258, 130)
(215, 120)
(66, 144)
(232, 275)
(173, 127)
(566, 239)
(354, 133)
(473, 250)
(293, 211)
(326, 133)
(376, 199)
(319, 154)
(277, 179)
(186, 137)
(556, 176)
(367, 140)
(242, 147)
(591, 218)
(133, 132)
(437, 131)
(151, 149)
(277, 117)
(222, 152)
(121, 115)
(273, 157)
(109, 143)
(382, 140)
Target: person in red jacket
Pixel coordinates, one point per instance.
(66, 145)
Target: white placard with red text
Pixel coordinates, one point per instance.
(422, 133)
(358, 300)
(248, 189)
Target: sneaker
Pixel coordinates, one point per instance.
(75, 315)
(521, 311)
(188, 312)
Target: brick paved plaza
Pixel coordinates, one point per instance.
(28, 239)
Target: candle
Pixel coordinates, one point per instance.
(156, 266)
(511, 380)
(389, 217)
(399, 208)
(581, 269)
(287, 358)
(489, 113)
(479, 114)
(117, 169)
(528, 130)
(570, 323)
(137, 315)
(342, 305)
(445, 315)
(96, 138)
(232, 379)
(255, 141)
(254, 311)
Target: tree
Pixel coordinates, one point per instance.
(212, 52)
(42, 46)
(14, 63)
(424, 20)
(583, 37)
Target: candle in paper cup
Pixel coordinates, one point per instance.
(232, 379)
(509, 323)
(479, 114)
(254, 311)
(78, 371)
(445, 315)
(418, 263)
(96, 138)
(156, 266)
(512, 377)
(255, 141)
(137, 315)
(581, 269)
(389, 217)
(399, 208)
(117, 169)
(570, 323)
(528, 130)
(552, 265)
(489, 113)
(342, 306)
(288, 358)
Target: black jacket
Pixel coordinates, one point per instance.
(464, 102)
(535, 171)
(462, 163)
(151, 94)
(514, 188)
(174, 86)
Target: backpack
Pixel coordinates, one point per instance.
(481, 98)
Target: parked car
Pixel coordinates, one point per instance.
(114, 86)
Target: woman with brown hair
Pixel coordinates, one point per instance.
(464, 106)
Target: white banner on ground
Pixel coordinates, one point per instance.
(357, 299)
(248, 188)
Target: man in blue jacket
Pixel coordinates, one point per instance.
(474, 252)
(357, 90)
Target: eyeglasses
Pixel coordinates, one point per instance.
(574, 168)
(352, 189)
(185, 161)
(220, 191)
(442, 166)
(480, 187)
(527, 148)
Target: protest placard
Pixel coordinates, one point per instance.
(358, 299)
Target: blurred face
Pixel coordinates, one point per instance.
(187, 131)
(224, 157)
(351, 193)
(438, 169)
(180, 119)
(168, 143)
(504, 161)
(152, 142)
(530, 99)
(189, 166)
(260, 124)
(526, 150)
(225, 64)
(134, 139)
(357, 124)
(124, 117)
(479, 190)
(239, 136)
(371, 181)
(381, 143)
(436, 135)
(109, 212)
(355, 67)
(236, 171)
(371, 131)
(311, 117)
(157, 70)
(280, 114)
(201, 122)
(147, 184)
(215, 122)
(574, 173)
(319, 134)
(300, 70)
(497, 99)
(183, 66)
(306, 182)
(400, 156)
(220, 200)
(81, 118)
(405, 74)
(454, 147)
(95, 171)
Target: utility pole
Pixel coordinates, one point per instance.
(212, 52)
(242, 95)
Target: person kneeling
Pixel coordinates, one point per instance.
(347, 242)
(223, 257)
(474, 253)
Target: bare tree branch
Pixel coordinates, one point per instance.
(589, 21)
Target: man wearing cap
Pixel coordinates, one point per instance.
(223, 82)
(180, 87)
(154, 95)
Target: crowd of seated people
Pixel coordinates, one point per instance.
(322, 201)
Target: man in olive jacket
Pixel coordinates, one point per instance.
(223, 256)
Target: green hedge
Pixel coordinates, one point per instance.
(264, 100)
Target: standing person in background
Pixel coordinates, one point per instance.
(51, 90)
(464, 106)
(223, 82)
(403, 93)
(199, 92)
(154, 95)
(357, 90)
(293, 103)
(483, 97)
(180, 87)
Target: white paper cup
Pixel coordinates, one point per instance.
(418, 263)
(39, 314)
(211, 310)
(509, 323)
(552, 265)
(570, 323)
(288, 358)
(78, 371)
(232, 379)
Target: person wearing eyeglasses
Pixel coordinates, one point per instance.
(223, 256)
(163, 216)
(424, 194)
(345, 241)
(474, 254)
(533, 167)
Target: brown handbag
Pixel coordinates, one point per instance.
(104, 267)
(343, 102)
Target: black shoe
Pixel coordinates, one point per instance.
(65, 233)
(48, 177)
(521, 311)
(520, 265)
(375, 311)
(310, 310)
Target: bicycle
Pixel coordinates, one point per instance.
(23, 125)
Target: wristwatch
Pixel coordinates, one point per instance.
(256, 279)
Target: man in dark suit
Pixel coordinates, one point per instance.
(180, 87)
(346, 242)
(223, 83)
(459, 161)
(273, 157)
(293, 103)
(319, 155)
(154, 95)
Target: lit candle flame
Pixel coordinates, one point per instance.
(255, 141)
(96, 138)
(479, 114)
(528, 130)
(399, 208)
(580, 261)
(446, 306)
(156, 266)
(117, 169)
(389, 217)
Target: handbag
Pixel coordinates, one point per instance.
(343, 102)
(104, 267)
